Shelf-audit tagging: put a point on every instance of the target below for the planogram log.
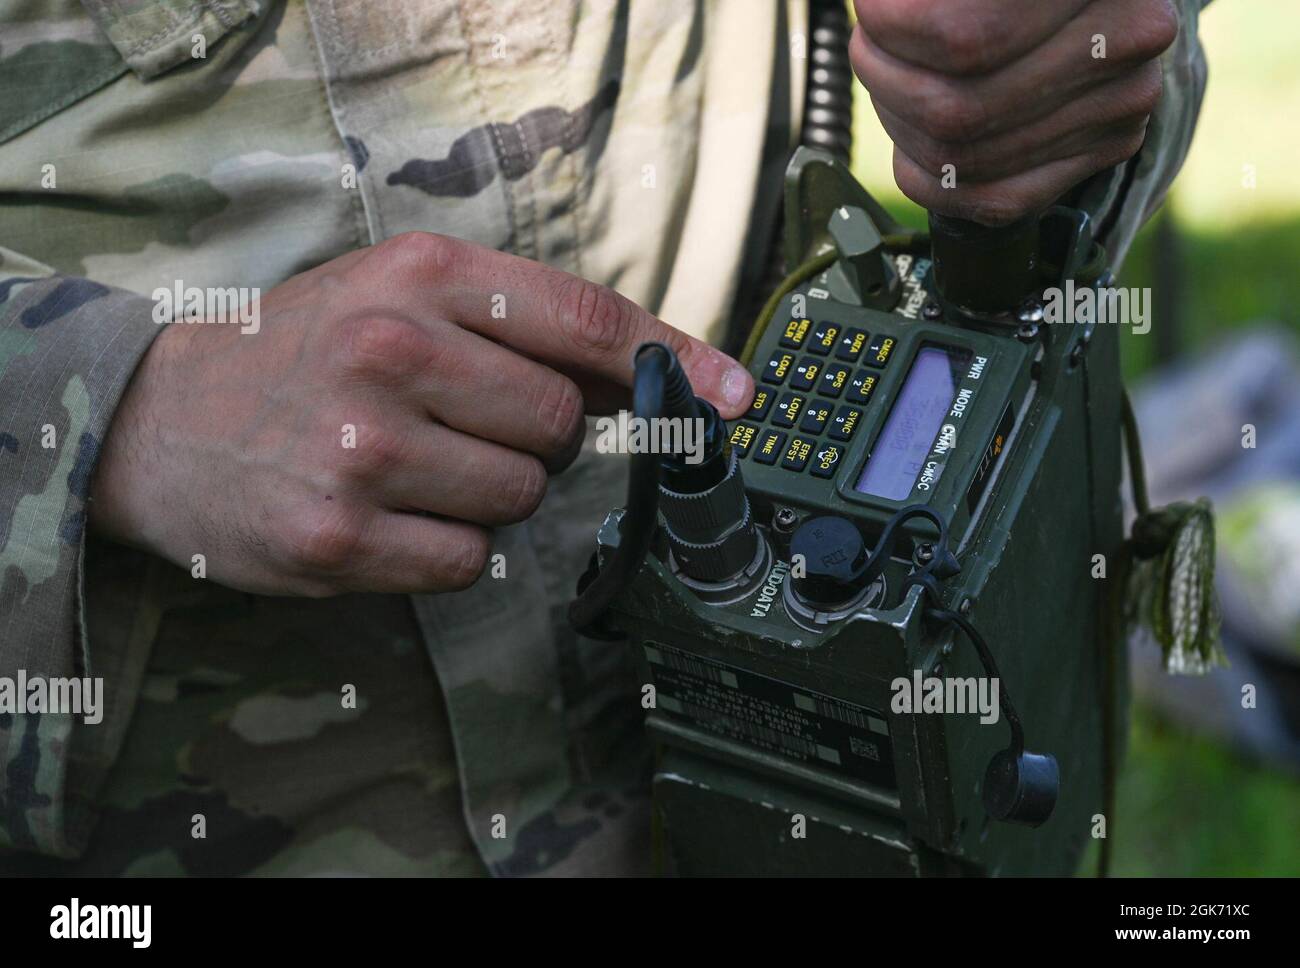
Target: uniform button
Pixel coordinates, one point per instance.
(768, 446)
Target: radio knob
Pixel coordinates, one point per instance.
(834, 558)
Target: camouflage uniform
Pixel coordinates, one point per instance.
(626, 142)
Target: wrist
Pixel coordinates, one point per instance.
(128, 465)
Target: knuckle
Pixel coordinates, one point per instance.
(427, 254)
(960, 40)
(933, 155)
(325, 542)
(952, 38)
(465, 561)
(951, 115)
(560, 412)
(885, 19)
(382, 344)
(689, 352)
(1155, 28)
(378, 451)
(928, 155)
(596, 319)
(523, 489)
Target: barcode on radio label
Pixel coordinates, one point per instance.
(843, 714)
(752, 731)
(767, 713)
(680, 663)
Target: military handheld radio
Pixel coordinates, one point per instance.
(833, 609)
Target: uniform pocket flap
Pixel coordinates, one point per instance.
(154, 36)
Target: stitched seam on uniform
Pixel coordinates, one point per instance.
(362, 213)
(506, 188)
(527, 160)
(72, 97)
(582, 173)
(226, 12)
(370, 213)
(499, 144)
(146, 43)
(175, 26)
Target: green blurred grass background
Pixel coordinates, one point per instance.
(1188, 805)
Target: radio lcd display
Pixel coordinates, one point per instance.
(912, 425)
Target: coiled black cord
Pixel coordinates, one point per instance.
(827, 125)
(828, 97)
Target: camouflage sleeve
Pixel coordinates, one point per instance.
(68, 346)
(1122, 200)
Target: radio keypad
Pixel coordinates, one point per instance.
(797, 454)
(762, 404)
(796, 331)
(860, 387)
(778, 368)
(806, 374)
(834, 379)
(878, 353)
(788, 410)
(769, 446)
(820, 429)
(827, 460)
(816, 416)
(851, 345)
(845, 423)
(742, 438)
(825, 335)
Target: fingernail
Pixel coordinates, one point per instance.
(735, 387)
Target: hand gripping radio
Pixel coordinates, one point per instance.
(915, 515)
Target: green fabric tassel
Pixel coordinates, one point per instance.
(1171, 585)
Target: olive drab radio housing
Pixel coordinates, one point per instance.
(910, 394)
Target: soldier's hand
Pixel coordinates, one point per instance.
(422, 376)
(1022, 99)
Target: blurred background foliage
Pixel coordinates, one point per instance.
(1188, 804)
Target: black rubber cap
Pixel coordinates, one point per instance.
(1021, 789)
(835, 558)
